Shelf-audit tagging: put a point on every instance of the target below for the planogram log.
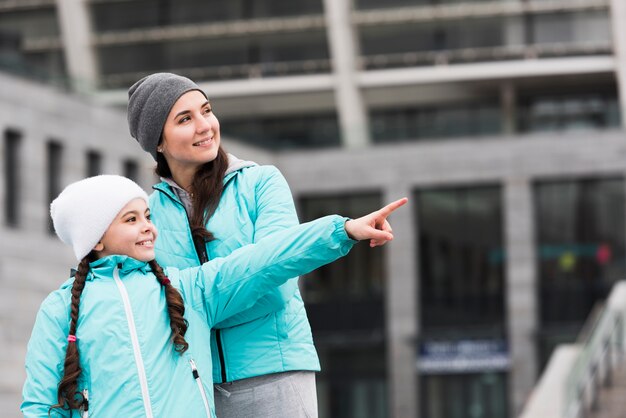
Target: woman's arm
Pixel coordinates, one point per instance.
(275, 211)
(44, 360)
(234, 283)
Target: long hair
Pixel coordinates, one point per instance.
(68, 396)
(206, 187)
(175, 309)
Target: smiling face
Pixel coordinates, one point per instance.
(131, 233)
(191, 134)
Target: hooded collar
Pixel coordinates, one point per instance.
(234, 165)
(104, 267)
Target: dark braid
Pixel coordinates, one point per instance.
(175, 308)
(67, 391)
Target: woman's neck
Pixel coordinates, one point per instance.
(184, 177)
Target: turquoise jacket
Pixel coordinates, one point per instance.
(129, 366)
(275, 335)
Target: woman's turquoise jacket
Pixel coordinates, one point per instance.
(129, 366)
(275, 335)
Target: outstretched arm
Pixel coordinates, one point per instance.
(234, 283)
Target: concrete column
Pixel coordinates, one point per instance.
(508, 103)
(401, 312)
(521, 284)
(80, 57)
(342, 38)
(618, 17)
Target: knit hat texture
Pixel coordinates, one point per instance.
(150, 101)
(83, 211)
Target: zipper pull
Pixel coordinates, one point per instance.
(85, 403)
(194, 369)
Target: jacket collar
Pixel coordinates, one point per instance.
(104, 267)
(234, 166)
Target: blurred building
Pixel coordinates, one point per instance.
(502, 120)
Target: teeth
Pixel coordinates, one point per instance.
(148, 242)
(206, 141)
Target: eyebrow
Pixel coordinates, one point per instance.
(184, 112)
(130, 212)
(134, 212)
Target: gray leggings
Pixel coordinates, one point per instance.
(279, 395)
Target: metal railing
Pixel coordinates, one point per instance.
(576, 373)
(600, 354)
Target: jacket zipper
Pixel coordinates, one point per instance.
(85, 404)
(196, 376)
(141, 370)
(203, 258)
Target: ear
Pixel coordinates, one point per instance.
(99, 246)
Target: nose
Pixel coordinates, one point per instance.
(203, 125)
(148, 226)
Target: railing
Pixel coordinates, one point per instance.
(596, 361)
(577, 372)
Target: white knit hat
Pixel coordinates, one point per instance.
(82, 213)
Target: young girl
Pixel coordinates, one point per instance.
(125, 338)
(211, 203)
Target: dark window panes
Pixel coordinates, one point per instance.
(94, 163)
(30, 24)
(288, 132)
(54, 154)
(476, 395)
(580, 253)
(485, 39)
(461, 259)
(377, 4)
(115, 16)
(345, 306)
(569, 112)
(230, 58)
(414, 123)
(131, 169)
(347, 294)
(12, 169)
(418, 44)
(353, 381)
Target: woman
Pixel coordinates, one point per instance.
(207, 205)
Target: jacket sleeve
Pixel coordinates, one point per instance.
(275, 211)
(45, 357)
(233, 284)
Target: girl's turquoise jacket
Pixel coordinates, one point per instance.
(275, 335)
(129, 366)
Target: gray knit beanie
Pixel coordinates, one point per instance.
(150, 101)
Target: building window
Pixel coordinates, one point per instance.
(477, 395)
(54, 154)
(131, 169)
(580, 253)
(288, 132)
(461, 263)
(12, 195)
(411, 123)
(569, 112)
(94, 163)
(462, 347)
(345, 306)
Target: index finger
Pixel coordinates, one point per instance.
(387, 210)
